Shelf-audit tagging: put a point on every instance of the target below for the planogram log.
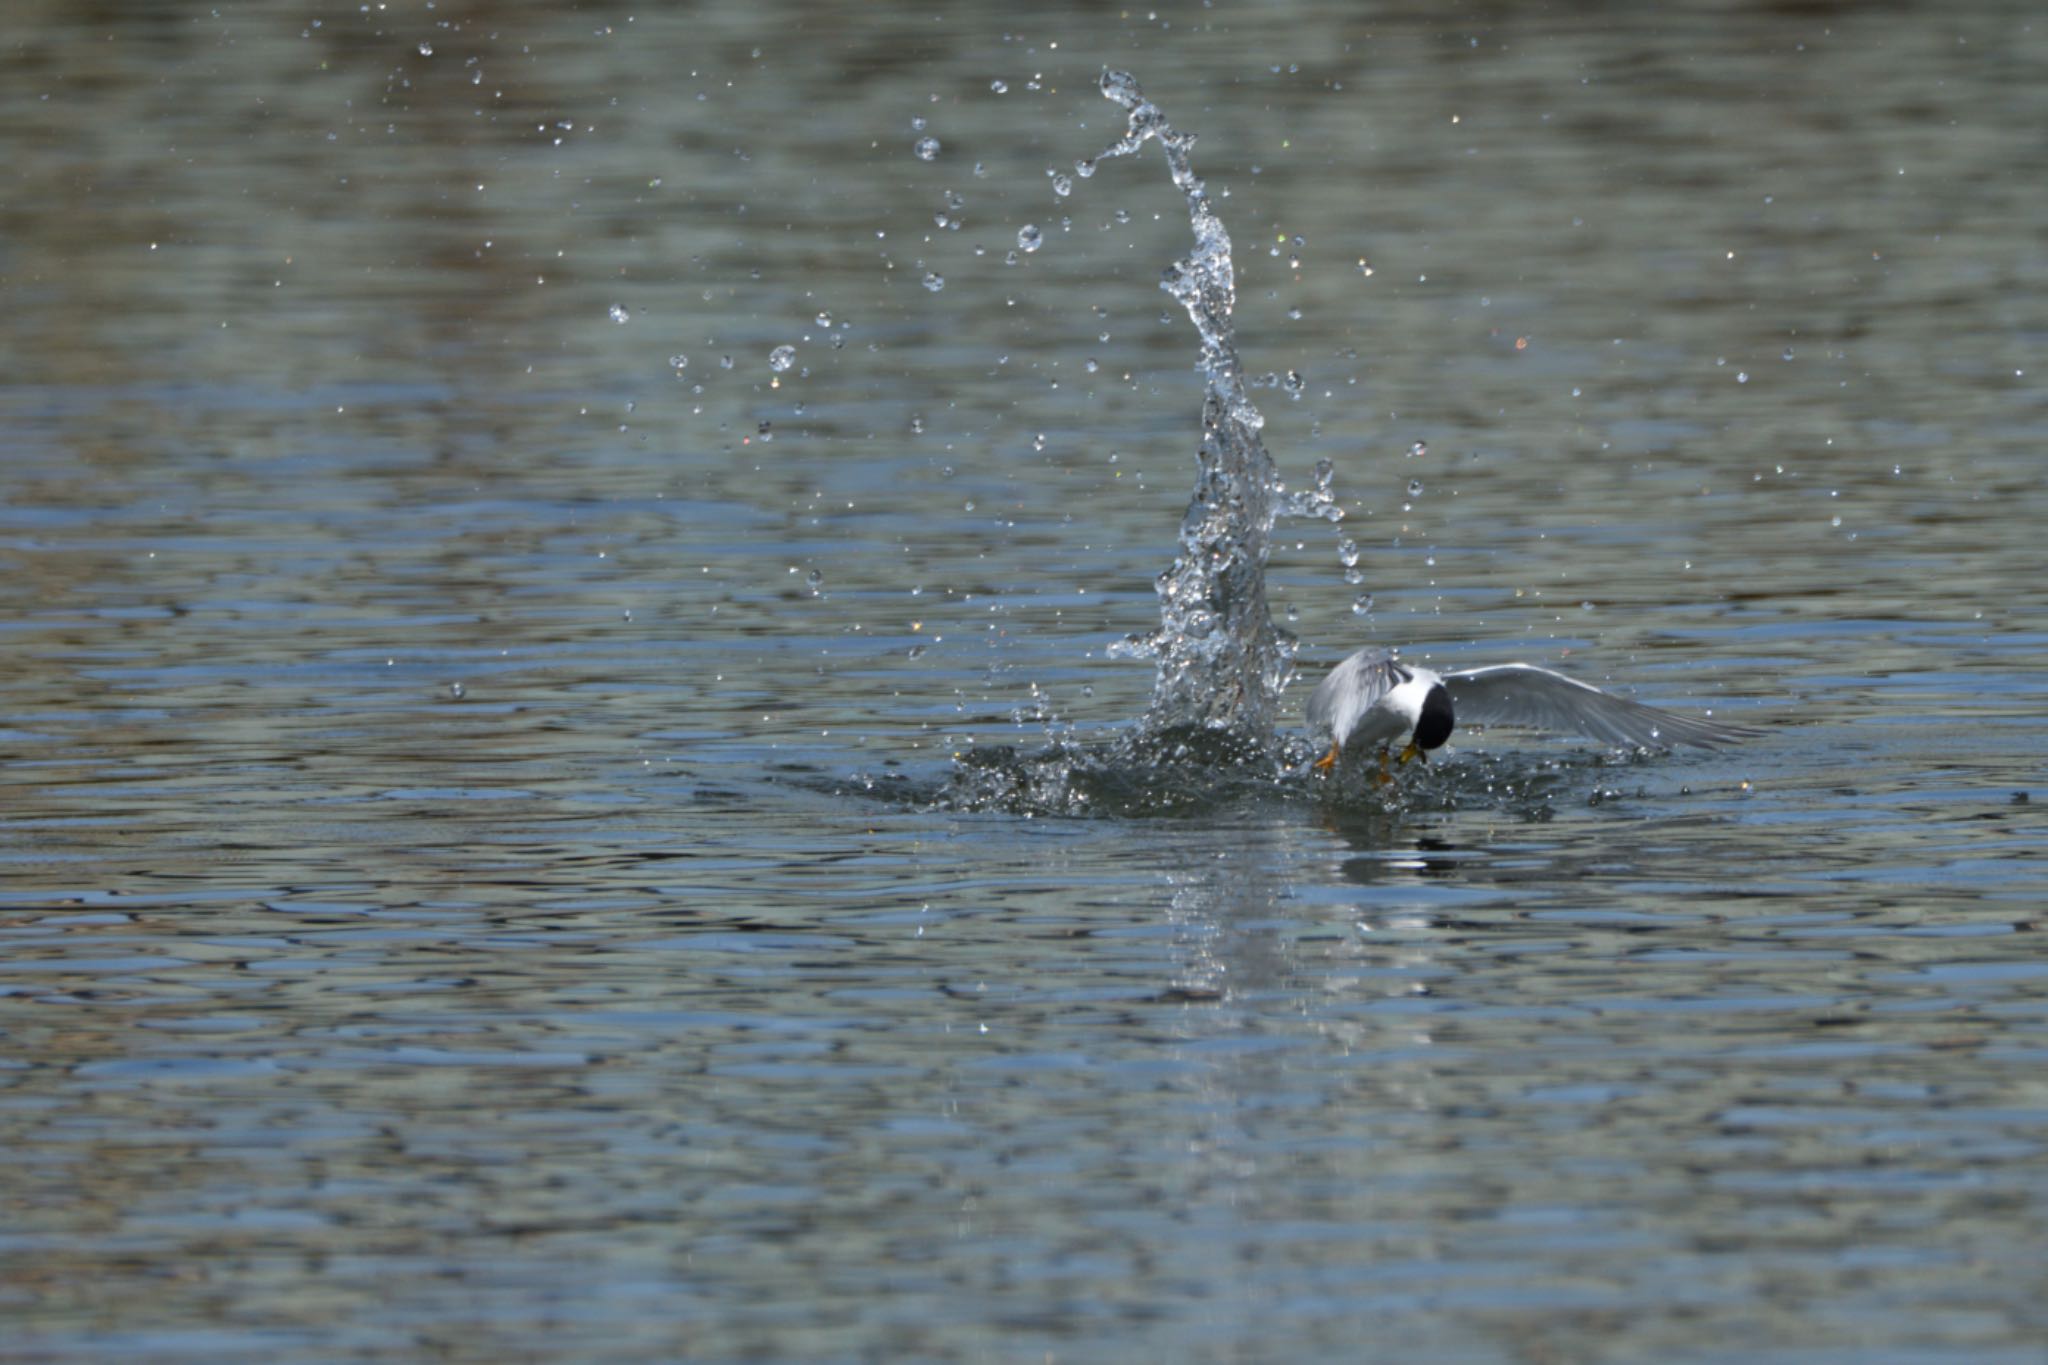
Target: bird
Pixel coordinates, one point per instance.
(1371, 698)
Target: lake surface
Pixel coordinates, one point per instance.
(485, 865)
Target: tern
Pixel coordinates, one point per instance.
(1371, 698)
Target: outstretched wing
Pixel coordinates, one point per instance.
(1525, 695)
(1339, 700)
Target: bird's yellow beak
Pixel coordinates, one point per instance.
(1414, 751)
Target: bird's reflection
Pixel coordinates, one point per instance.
(1422, 856)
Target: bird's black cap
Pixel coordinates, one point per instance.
(1436, 722)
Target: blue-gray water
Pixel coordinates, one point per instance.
(634, 1000)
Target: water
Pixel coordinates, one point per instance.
(1221, 662)
(467, 890)
(1209, 732)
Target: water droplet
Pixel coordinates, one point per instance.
(426, 49)
(1585, 606)
(1122, 87)
(1062, 186)
(1092, 364)
(1414, 488)
(816, 579)
(1742, 376)
(1029, 238)
(1361, 604)
(1000, 87)
(725, 362)
(927, 149)
(781, 358)
(1347, 552)
(619, 314)
(914, 652)
(934, 281)
(824, 318)
(1418, 450)
(457, 691)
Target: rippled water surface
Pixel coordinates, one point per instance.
(520, 822)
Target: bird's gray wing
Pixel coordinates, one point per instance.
(1350, 690)
(1525, 695)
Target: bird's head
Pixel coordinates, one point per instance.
(1435, 723)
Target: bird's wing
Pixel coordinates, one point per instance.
(1525, 695)
(1349, 692)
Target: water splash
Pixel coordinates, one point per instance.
(1222, 663)
(1210, 731)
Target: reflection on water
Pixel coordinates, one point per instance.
(617, 1004)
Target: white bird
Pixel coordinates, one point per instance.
(1371, 699)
